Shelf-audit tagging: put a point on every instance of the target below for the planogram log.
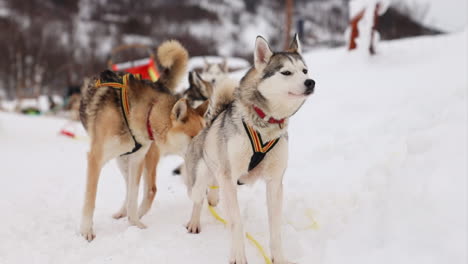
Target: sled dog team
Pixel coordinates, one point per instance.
(229, 134)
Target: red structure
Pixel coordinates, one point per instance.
(146, 67)
(354, 34)
(354, 29)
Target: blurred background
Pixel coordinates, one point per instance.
(377, 155)
(48, 46)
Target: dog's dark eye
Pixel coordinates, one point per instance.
(286, 73)
(304, 71)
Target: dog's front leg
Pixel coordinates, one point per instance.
(135, 168)
(275, 206)
(229, 190)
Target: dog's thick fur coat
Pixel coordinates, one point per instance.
(152, 106)
(278, 84)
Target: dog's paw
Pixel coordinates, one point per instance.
(238, 261)
(87, 233)
(120, 214)
(281, 261)
(238, 257)
(136, 223)
(193, 227)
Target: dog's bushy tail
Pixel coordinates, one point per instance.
(173, 57)
(223, 95)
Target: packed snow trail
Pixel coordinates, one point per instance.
(377, 174)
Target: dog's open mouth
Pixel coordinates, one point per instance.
(297, 95)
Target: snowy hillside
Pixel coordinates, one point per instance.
(377, 174)
(447, 15)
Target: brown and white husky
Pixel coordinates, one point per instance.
(136, 122)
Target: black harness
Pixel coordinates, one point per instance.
(259, 148)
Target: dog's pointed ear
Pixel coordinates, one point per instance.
(179, 111)
(201, 109)
(190, 77)
(196, 79)
(224, 65)
(205, 88)
(295, 45)
(206, 64)
(262, 53)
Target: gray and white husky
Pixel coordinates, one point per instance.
(246, 139)
(215, 72)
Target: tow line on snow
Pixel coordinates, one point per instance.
(247, 234)
(314, 225)
(68, 133)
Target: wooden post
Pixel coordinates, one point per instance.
(374, 28)
(289, 10)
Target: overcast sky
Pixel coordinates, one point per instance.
(448, 15)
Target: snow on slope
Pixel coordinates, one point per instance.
(447, 15)
(377, 170)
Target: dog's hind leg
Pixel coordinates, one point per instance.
(135, 168)
(95, 162)
(197, 194)
(150, 189)
(122, 163)
(213, 193)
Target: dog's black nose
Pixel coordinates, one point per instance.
(310, 84)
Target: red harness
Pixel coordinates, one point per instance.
(262, 115)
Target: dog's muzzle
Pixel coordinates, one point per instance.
(310, 85)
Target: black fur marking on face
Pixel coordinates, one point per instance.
(276, 62)
(258, 98)
(291, 56)
(271, 70)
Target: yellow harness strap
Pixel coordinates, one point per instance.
(123, 87)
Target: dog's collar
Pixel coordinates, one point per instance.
(148, 124)
(270, 120)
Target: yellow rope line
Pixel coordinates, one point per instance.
(249, 236)
(216, 215)
(259, 247)
(313, 223)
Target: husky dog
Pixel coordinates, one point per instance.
(199, 90)
(214, 72)
(136, 122)
(246, 139)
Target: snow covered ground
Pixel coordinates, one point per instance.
(377, 174)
